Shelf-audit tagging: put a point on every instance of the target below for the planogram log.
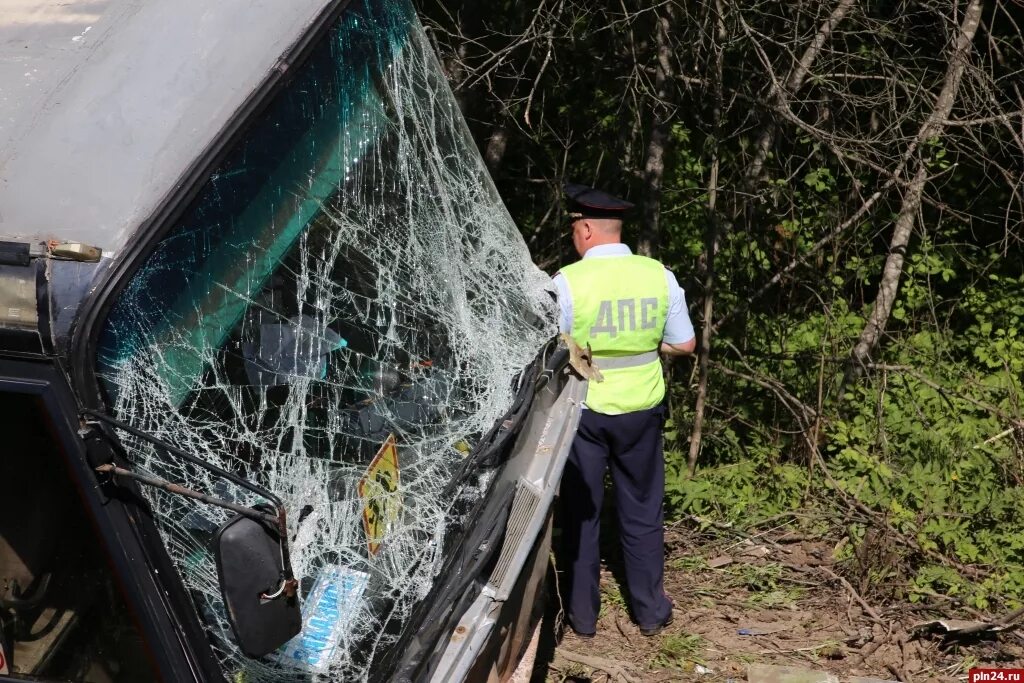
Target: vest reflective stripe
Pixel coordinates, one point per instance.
(619, 307)
(619, 362)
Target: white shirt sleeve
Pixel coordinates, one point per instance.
(678, 328)
(564, 303)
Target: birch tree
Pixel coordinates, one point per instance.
(931, 132)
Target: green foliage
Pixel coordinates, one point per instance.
(918, 454)
(757, 577)
(820, 180)
(733, 491)
(912, 441)
(921, 437)
(778, 597)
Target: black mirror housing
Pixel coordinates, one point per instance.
(260, 600)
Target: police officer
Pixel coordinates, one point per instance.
(628, 308)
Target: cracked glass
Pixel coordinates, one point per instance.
(338, 316)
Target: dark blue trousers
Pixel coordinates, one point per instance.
(631, 444)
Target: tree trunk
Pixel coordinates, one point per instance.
(654, 171)
(932, 128)
(497, 145)
(704, 353)
(710, 249)
(661, 129)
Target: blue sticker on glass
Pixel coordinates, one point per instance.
(326, 615)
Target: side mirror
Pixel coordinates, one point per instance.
(259, 596)
(253, 564)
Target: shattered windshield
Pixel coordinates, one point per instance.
(338, 316)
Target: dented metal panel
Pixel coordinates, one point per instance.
(105, 103)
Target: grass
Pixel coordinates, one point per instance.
(757, 578)
(676, 649)
(778, 597)
(611, 598)
(575, 671)
(830, 649)
(688, 563)
(762, 581)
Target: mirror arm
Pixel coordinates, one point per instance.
(278, 522)
(262, 517)
(188, 457)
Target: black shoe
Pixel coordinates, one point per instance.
(586, 635)
(655, 630)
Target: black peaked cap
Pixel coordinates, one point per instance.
(587, 202)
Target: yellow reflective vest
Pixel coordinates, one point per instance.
(619, 307)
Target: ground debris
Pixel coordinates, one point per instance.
(957, 627)
(744, 617)
(619, 671)
(719, 562)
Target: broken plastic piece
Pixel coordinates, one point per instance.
(582, 360)
(954, 627)
(76, 251)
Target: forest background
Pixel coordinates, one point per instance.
(839, 187)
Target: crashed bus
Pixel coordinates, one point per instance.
(278, 383)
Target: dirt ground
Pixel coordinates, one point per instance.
(775, 598)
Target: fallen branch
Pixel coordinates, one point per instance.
(868, 609)
(869, 649)
(1018, 425)
(923, 379)
(614, 668)
(960, 604)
